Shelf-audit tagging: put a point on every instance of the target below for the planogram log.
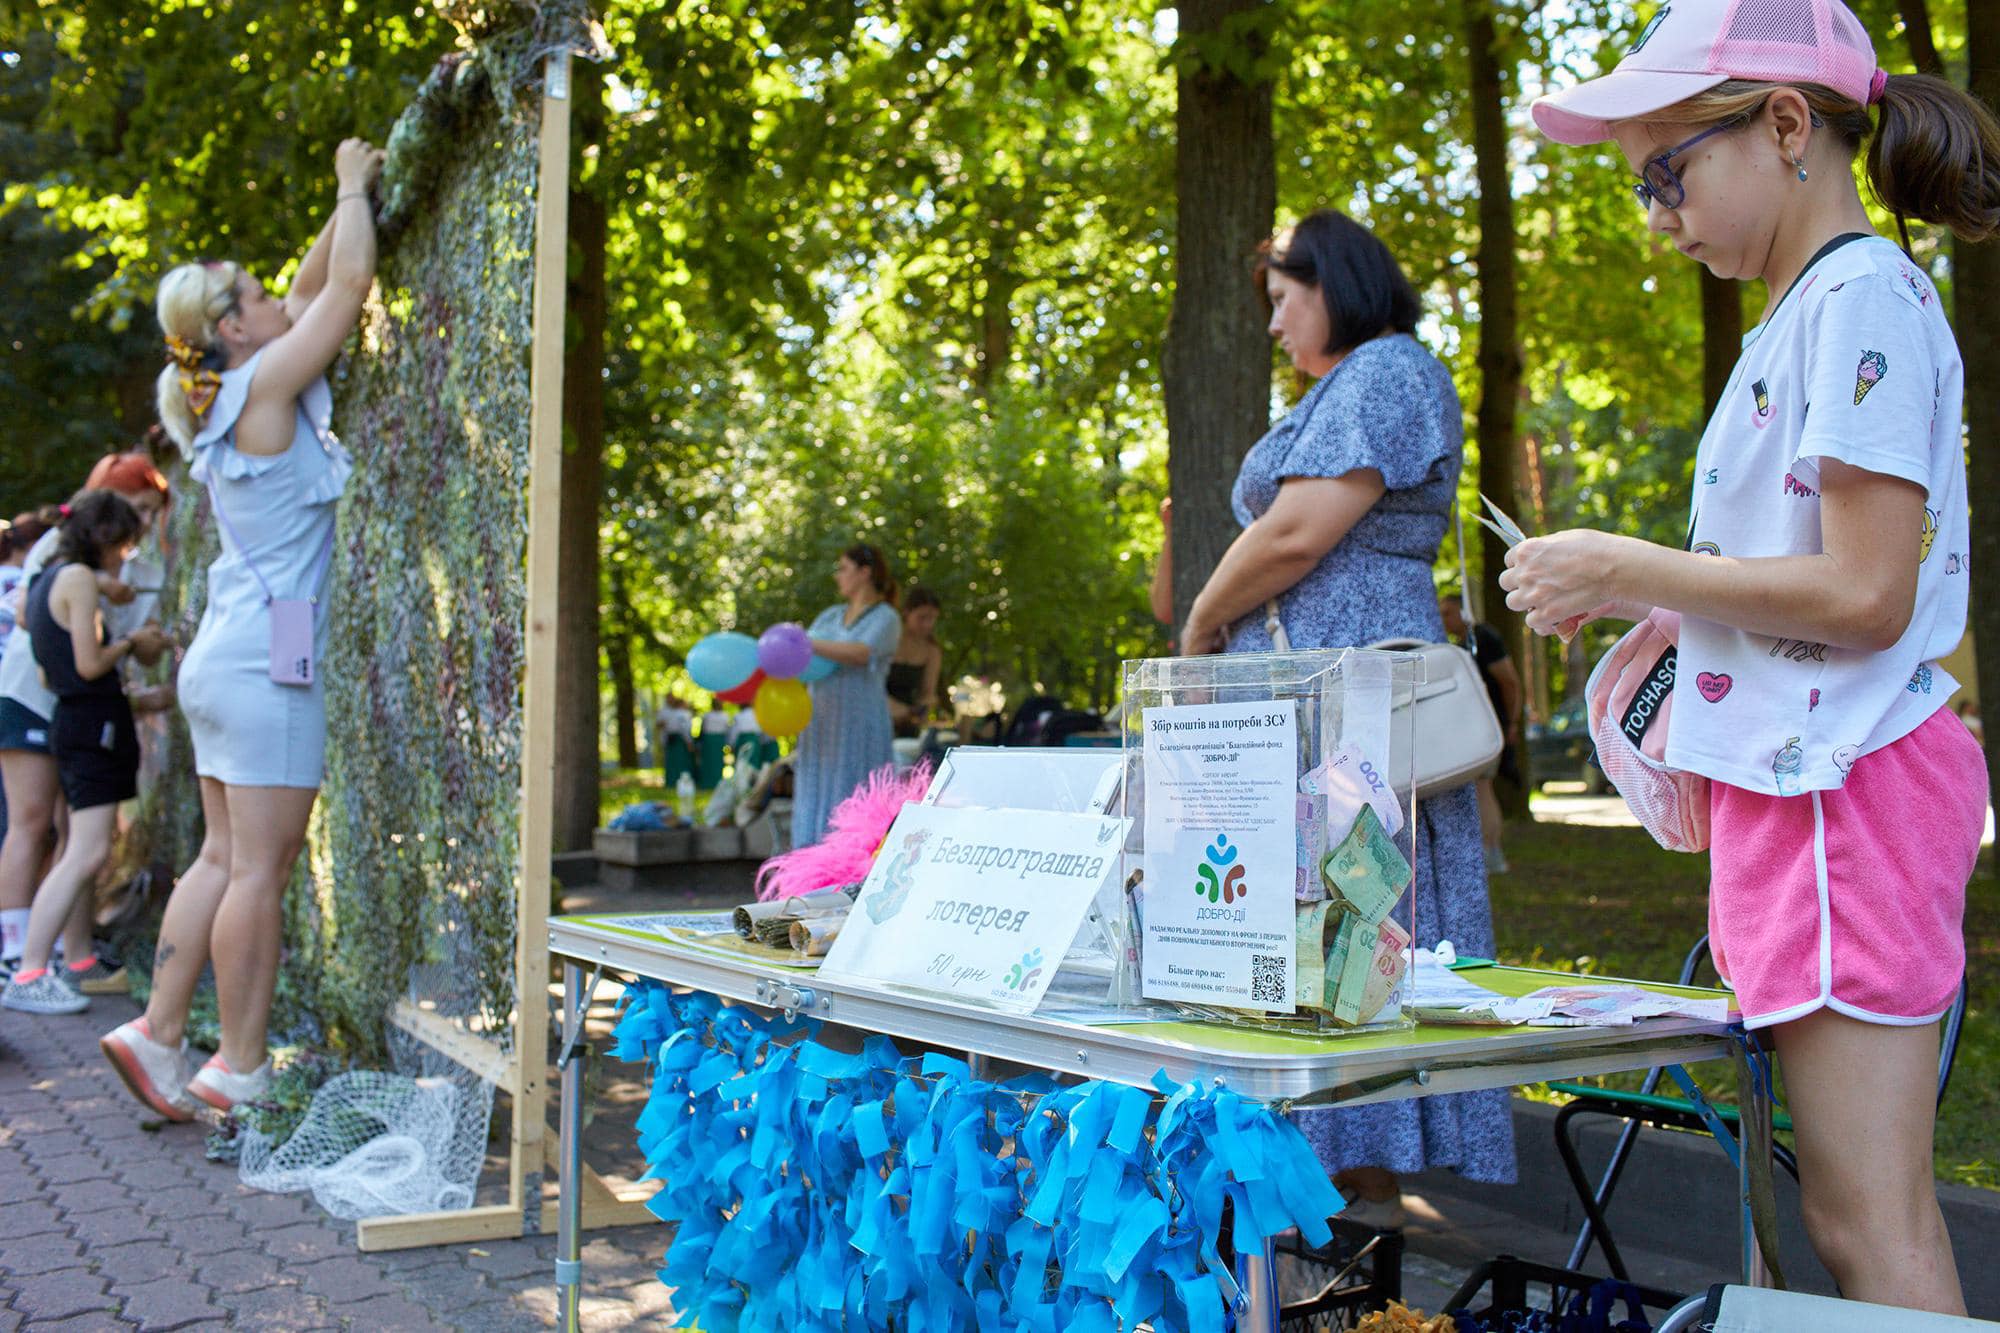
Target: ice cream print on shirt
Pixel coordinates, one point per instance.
(1922, 292)
(1760, 415)
(1792, 715)
(1868, 374)
(1785, 768)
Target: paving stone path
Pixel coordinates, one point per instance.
(111, 1221)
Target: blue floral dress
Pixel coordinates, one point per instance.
(1389, 405)
(849, 736)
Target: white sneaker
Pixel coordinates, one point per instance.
(44, 995)
(223, 1088)
(154, 1071)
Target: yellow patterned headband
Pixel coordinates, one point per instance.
(199, 383)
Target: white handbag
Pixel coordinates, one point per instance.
(1458, 738)
(1459, 735)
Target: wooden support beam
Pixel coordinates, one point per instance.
(604, 1206)
(493, 1222)
(522, 1072)
(531, 917)
(473, 1051)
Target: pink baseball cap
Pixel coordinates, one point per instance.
(1692, 45)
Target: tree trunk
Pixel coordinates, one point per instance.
(1721, 336)
(577, 678)
(1218, 358)
(618, 662)
(1917, 28)
(1499, 345)
(996, 321)
(1976, 288)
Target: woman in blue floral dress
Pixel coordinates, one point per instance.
(1343, 504)
(850, 735)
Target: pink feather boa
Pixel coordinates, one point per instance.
(854, 833)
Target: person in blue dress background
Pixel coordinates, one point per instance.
(1343, 505)
(850, 735)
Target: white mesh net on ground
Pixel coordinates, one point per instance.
(375, 1144)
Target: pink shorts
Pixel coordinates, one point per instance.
(1851, 900)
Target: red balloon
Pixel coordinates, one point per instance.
(746, 693)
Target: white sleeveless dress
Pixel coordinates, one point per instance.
(248, 730)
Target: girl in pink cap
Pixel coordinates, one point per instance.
(1825, 574)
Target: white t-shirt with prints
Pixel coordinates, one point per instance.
(1856, 364)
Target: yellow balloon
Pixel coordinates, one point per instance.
(783, 707)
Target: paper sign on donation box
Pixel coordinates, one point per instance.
(978, 905)
(1221, 789)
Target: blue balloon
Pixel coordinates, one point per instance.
(818, 669)
(722, 661)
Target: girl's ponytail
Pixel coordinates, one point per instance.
(1936, 156)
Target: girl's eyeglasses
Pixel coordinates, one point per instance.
(1659, 181)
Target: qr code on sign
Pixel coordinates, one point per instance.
(1268, 981)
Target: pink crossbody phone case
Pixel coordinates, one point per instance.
(1631, 700)
(291, 617)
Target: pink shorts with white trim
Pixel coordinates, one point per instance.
(1852, 900)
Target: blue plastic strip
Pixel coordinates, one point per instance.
(819, 1189)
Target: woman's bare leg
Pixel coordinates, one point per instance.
(190, 915)
(267, 827)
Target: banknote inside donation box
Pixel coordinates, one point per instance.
(1269, 866)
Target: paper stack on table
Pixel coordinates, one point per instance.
(1443, 996)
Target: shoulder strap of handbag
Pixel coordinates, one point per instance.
(319, 564)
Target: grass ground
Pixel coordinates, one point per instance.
(1610, 901)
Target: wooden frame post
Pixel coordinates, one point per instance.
(522, 1070)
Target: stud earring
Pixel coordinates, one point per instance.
(1800, 164)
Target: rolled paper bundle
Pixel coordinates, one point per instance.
(812, 936)
(1310, 983)
(777, 932)
(749, 918)
(1310, 838)
(1367, 870)
(826, 902)
(746, 917)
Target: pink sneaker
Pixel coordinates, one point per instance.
(148, 1067)
(222, 1088)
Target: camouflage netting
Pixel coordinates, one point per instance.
(408, 884)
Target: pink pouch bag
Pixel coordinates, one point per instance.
(1631, 700)
(291, 640)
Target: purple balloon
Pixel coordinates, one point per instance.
(784, 651)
